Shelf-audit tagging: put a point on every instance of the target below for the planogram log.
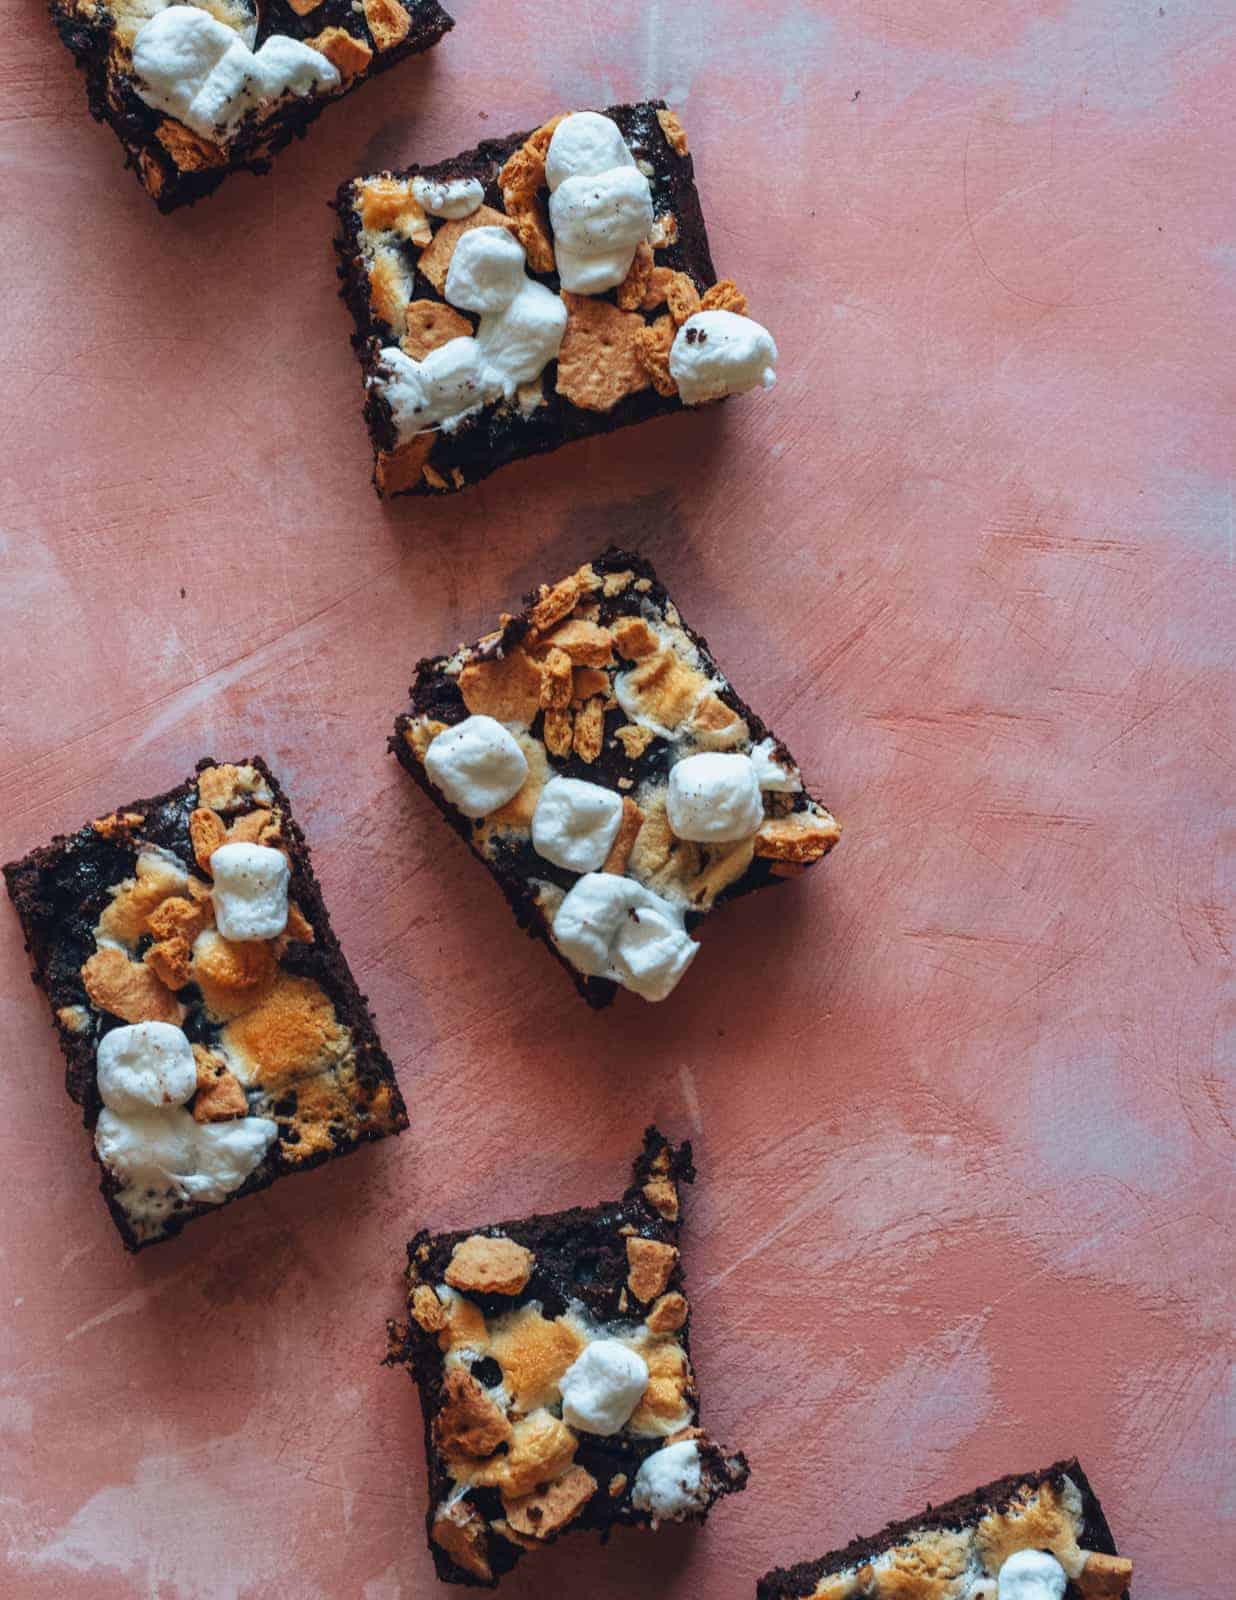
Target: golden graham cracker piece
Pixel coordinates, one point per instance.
(483, 1265)
(600, 360)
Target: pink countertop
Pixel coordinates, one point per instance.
(958, 1098)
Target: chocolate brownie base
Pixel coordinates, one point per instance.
(60, 892)
(502, 434)
(89, 31)
(810, 1578)
(611, 1266)
(513, 862)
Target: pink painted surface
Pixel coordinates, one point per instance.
(958, 1101)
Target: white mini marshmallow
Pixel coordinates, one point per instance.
(714, 798)
(477, 765)
(447, 386)
(1031, 1575)
(250, 891)
(575, 823)
(486, 270)
(716, 353)
(602, 1387)
(168, 1150)
(770, 773)
(612, 927)
(600, 203)
(451, 197)
(145, 1065)
(204, 74)
(669, 1483)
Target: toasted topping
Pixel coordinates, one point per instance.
(675, 133)
(74, 1019)
(1104, 1577)
(127, 915)
(468, 1422)
(556, 602)
(128, 989)
(460, 1531)
(389, 205)
(541, 1514)
(533, 1354)
(724, 296)
(117, 822)
(517, 814)
(219, 1096)
(589, 681)
(589, 735)
(541, 1450)
(1037, 1520)
(558, 731)
(600, 362)
(656, 340)
(483, 1265)
(227, 788)
(429, 324)
(388, 22)
(232, 977)
(531, 219)
(634, 286)
(802, 836)
(634, 739)
(189, 150)
(664, 1409)
(343, 50)
(507, 688)
(427, 1309)
(634, 639)
(303, 8)
(660, 691)
(207, 834)
(661, 1194)
(668, 1314)
(650, 1263)
(291, 1033)
(624, 840)
(170, 960)
(682, 298)
(617, 1484)
(586, 643)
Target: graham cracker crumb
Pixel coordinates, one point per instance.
(650, 1263)
(343, 50)
(128, 989)
(724, 296)
(682, 298)
(656, 339)
(631, 290)
(429, 324)
(558, 729)
(624, 840)
(634, 739)
(545, 1511)
(668, 1314)
(590, 729)
(481, 1265)
(599, 362)
(400, 469)
(388, 23)
(675, 133)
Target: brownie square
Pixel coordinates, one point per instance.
(1048, 1524)
(613, 365)
(269, 1036)
(552, 1356)
(177, 163)
(600, 682)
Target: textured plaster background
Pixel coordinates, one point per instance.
(959, 1100)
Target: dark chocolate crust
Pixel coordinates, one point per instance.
(500, 434)
(113, 98)
(580, 1256)
(437, 696)
(792, 1583)
(60, 890)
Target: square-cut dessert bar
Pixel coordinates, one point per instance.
(553, 1361)
(196, 91)
(214, 1036)
(596, 759)
(1031, 1536)
(537, 289)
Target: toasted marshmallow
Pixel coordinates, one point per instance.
(250, 891)
(612, 927)
(451, 197)
(1031, 1575)
(716, 353)
(771, 774)
(477, 765)
(714, 798)
(602, 1387)
(145, 1065)
(575, 823)
(669, 1483)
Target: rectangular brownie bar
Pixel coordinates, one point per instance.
(553, 1361)
(258, 75)
(1031, 1536)
(596, 759)
(593, 339)
(214, 1036)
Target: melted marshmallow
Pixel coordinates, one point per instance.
(170, 1152)
(250, 891)
(575, 823)
(204, 74)
(146, 1065)
(770, 773)
(520, 330)
(716, 353)
(669, 1482)
(714, 798)
(600, 203)
(612, 927)
(477, 765)
(602, 1387)
(452, 197)
(1031, 1575)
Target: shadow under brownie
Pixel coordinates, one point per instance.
(262, 1049)
(607, 358)
(593, 706)
(1031, 1536)
(553, 1363)
(240, 112)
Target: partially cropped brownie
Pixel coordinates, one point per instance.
(538, 289)
(214, 1035)
(618, 789)
(194, 92)
(553, 1362)
(1032, 1536)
